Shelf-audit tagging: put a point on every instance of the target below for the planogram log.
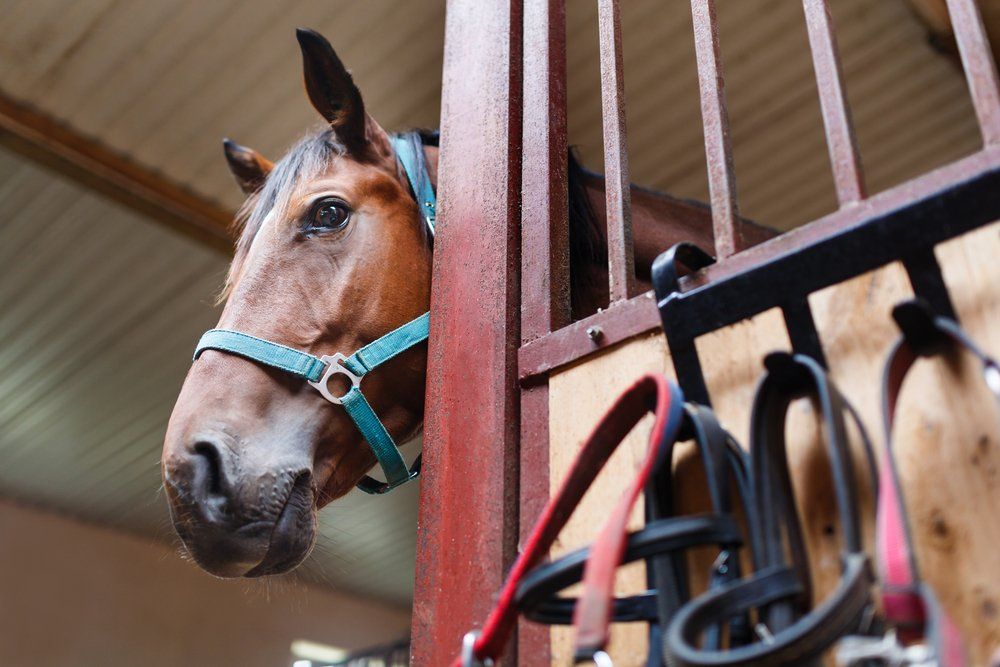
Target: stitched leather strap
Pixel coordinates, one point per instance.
(536, 594)
(796, 644)
(908, 604)
(780, 588)
(716, 449)
(650, 393)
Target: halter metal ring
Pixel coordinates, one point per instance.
(335, 366)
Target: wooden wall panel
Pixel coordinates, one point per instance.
(578, 397)
(948, 442)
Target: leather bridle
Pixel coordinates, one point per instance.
(779, 590)
(662, 542)
(909, 606)
(650, 393)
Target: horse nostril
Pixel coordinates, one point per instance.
(208, 475)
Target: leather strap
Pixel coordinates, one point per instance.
(780, 588)
(909, 605)
(716, 449)
(650, 393)
(536, 595)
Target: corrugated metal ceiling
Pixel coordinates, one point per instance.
(99, 309)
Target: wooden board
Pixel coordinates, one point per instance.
(948, 438)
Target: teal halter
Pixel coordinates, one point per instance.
(317, 371)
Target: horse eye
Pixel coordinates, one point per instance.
(328, 214)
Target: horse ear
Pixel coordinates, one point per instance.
(249, 167)
(331, 89)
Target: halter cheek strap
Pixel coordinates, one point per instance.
(317, 371)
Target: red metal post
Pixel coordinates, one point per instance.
(621, 256)
(545, 304)
(840, 139)
(980, 66)
(545, 288)
(468, 523)
(715, 119)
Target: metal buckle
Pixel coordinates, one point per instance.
(335, 366)
(858, 650)
(602, 659)
(991, 373)
(469, 658)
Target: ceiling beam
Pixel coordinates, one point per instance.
(57, 146)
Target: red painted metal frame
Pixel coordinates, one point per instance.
(621, 252)
(500, 305)
(844, 154)
(468, 519)
(638, 315)
(545, 289)
(715, 120)
(980, 66)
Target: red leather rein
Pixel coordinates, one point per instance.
(651, 393)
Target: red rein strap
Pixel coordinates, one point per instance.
(650, 391)
(907, 604)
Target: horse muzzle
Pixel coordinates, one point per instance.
(235, 523)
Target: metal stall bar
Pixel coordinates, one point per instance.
(545, 302)
(621, 256)
(980, 67)
(715, 119)
(545, 287)
(840, 138)
(468, 522)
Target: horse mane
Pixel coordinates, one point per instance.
(312, 155)
(587, 246)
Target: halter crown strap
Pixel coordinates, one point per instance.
(410, 153)
(317, 371)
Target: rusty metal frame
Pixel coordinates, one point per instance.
(621, 253)
(626, 319)
(718, 141)
(501, 277)
(468, 515)
(545, 288)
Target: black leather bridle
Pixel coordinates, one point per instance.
(790, 629)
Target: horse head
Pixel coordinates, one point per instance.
(333, 253)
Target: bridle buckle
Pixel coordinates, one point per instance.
(335, 366)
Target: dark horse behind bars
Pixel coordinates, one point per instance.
(334, 254)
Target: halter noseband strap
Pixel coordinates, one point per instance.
(317, 371)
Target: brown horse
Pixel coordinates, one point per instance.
(333, 254)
